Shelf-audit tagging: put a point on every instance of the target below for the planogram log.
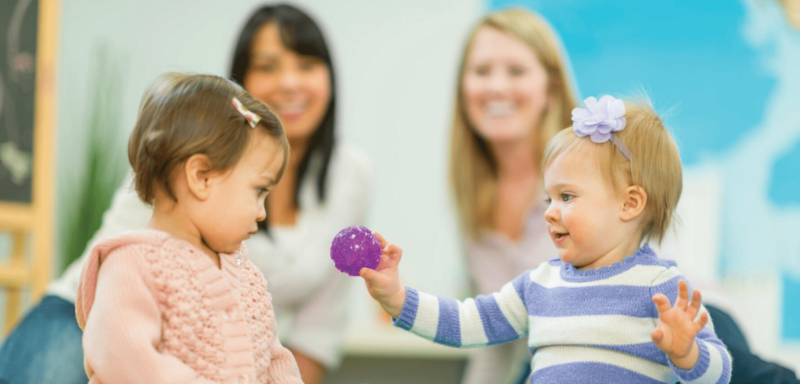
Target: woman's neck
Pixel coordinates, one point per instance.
(298, 148)
(518, 187)
(515, 160)
(282, 210)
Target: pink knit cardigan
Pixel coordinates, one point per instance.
(155, 309)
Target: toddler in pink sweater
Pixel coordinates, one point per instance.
(180, 302)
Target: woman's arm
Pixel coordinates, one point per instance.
(311, 371)
(318, 327)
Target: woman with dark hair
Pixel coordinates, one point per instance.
(281, 58)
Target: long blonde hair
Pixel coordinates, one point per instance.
(473, 171)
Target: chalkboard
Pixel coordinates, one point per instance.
(18, 29)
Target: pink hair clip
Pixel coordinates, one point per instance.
(251, 117)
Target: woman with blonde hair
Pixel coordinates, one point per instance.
(513, 95)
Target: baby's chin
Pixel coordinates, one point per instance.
(228, 248)
(570, 258)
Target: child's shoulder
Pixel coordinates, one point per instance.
(647, 256)
(139, 241)
(146, 250)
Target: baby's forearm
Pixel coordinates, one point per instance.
(686, 362)
(393, 305)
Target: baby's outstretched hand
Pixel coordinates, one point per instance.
(677, 327)
(383, 282)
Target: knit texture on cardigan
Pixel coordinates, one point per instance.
(166, 313)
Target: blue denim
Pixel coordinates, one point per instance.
(45, 347)
(747, 367)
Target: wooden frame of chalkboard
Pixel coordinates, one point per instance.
(29, 218)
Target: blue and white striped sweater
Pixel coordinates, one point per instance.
(581, 325)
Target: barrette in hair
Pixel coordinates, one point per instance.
(251, 117)
(600, 119)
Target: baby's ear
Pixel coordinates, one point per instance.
(634, 201)
(197, 171)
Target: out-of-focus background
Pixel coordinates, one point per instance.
(727, 72)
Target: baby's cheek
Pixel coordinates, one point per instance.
(576, 224)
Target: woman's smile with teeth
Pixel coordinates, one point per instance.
(292, 108)
(499, 109)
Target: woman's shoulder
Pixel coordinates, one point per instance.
(350, 173)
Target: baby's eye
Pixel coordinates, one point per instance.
(548, 200)
(262, 191)
(566, 197)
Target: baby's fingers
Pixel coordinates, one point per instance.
(368, 275)
(702, 321)
(694, 307)
(394, 252)
(381, 240)
(662, 303)
(683, 295)
(657, 335)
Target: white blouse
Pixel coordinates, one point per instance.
(311, 298)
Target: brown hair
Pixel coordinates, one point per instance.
(181, 115)
(472, 168)
(654, 165)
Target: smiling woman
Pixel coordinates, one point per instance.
(513, 96)
(282, 59)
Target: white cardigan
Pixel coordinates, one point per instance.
(311, 298)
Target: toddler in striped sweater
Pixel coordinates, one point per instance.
(608, 309)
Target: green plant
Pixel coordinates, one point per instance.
(90, 191)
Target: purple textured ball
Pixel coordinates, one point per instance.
(354, 248)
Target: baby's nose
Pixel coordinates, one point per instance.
(550, 215)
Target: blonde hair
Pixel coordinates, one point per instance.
(181, 115)
(654, 165)
(473, 172)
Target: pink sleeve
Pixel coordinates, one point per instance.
(123, 328)
(283, 367)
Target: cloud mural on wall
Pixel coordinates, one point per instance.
(729, 69)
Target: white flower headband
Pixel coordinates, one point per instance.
(251, 117)
(600, 119)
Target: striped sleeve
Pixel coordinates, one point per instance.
(714, 364)
(485, 320)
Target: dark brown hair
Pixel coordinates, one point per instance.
(182, 115)
(300, 34)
